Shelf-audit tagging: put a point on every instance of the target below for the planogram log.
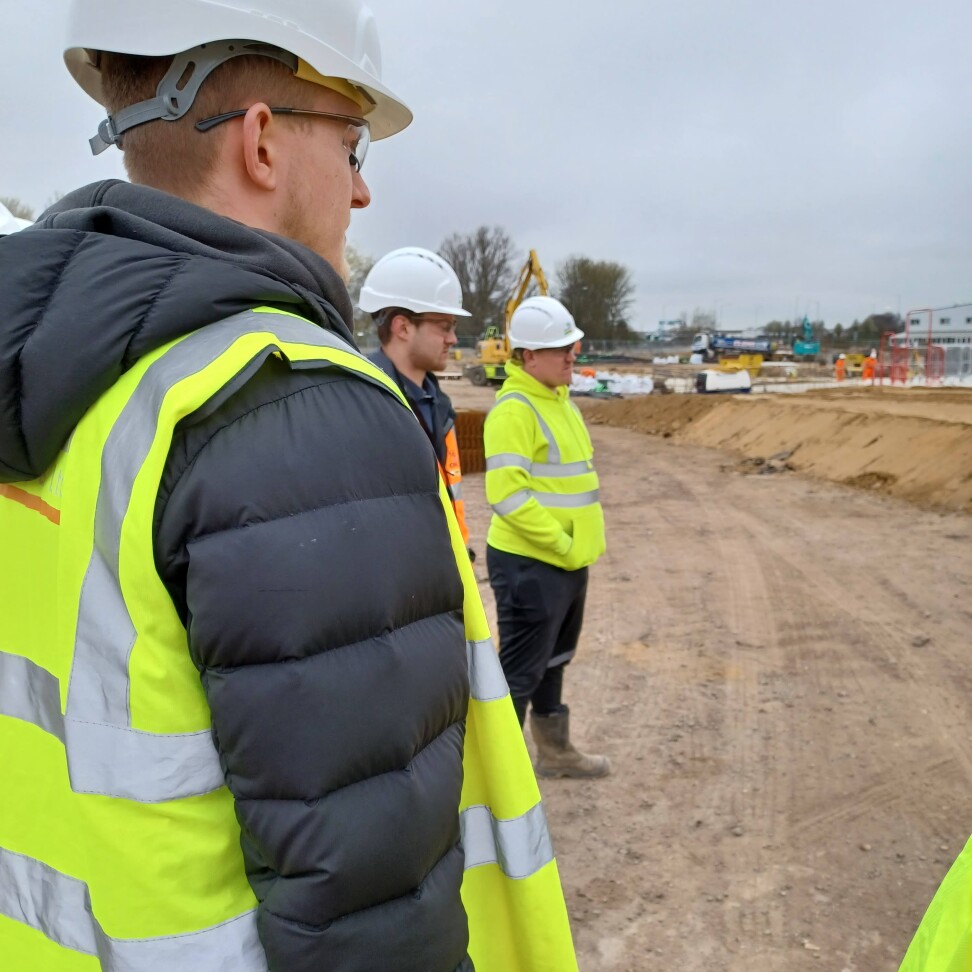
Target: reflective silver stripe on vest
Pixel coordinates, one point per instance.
(59, 906)
(104, 759)
(486, 679)
(30, 693)
(140, 765)
(520, 846)
(456, 490)
(567, 501)
(562, 501)
(507, 460)
(553, 450)
(512, 503)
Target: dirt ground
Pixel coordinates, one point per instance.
(777, 666)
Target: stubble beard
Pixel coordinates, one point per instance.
(299, 225)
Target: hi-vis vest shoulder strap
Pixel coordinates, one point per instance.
(118, 838)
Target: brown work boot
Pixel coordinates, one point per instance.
(555, 754)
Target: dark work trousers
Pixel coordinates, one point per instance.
(540, 610)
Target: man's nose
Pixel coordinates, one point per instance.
(360, 193)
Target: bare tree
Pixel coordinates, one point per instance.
(703, 320)
(17, 207)
(483, 261)
(359, 266)
(599, 295)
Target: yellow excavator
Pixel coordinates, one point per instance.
(493, 350)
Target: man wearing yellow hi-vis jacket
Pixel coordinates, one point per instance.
(239, 731)
(547, 526)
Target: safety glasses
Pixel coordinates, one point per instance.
(356, 140)
(446, 327)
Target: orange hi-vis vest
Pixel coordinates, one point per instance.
(452, 474)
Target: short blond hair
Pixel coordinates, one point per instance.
(173, 156)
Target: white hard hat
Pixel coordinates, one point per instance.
(543, 322)
(10, 223)
(416, 279)
(873, 353)
(334, 43)
(842, 356)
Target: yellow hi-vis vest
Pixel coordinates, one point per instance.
(119, 847)
(943, 942)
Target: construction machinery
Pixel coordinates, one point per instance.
(493, 351)
(750, 363)
(715, 347)
(854, 364)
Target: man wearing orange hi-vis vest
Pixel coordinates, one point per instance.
(239, 731)
(415, 297)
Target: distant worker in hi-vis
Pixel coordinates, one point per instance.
(547, 526)
(840, 367)
(868, 367)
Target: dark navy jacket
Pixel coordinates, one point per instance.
(443, 414)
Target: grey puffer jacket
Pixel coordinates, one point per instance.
(299, 531)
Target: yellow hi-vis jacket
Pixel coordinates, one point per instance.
(540, 478)
(119, 847)
(943, 942)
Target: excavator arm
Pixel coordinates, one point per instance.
(494, 349)
(529, 272)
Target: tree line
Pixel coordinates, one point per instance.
(598, 293)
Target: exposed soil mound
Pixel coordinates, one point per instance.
(654, 414)
(915, 444)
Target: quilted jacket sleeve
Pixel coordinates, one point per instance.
(301, 536)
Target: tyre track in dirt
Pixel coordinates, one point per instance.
(743, 804)
(884, 748)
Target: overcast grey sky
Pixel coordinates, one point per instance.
(760, 158)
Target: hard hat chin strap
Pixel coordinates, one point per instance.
(179, 86)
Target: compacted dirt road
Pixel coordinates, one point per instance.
(778, 668)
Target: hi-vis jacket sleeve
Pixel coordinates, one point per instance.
(511, 435)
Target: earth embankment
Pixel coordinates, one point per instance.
(915, 444)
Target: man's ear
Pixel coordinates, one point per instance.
(260, 146)
(399, 326)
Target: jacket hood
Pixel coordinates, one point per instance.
(113, 271)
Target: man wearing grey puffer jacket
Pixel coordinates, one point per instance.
(335, 675)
